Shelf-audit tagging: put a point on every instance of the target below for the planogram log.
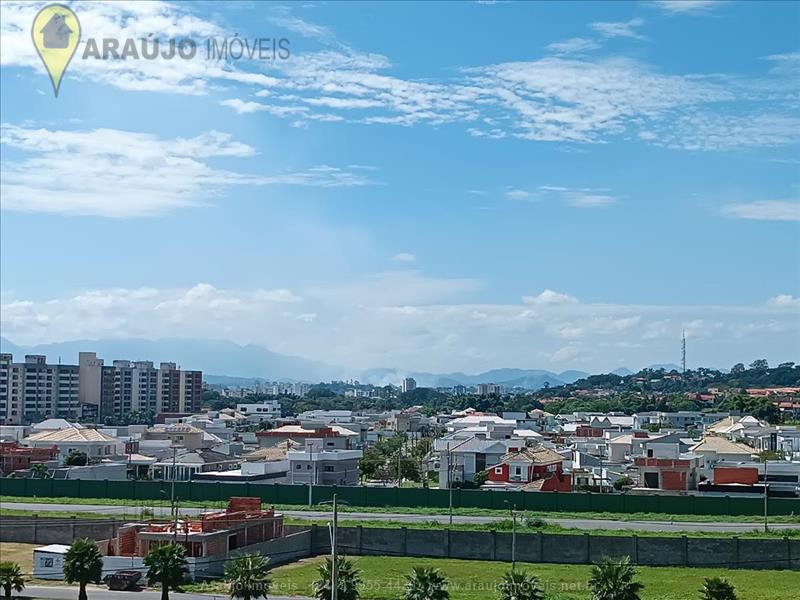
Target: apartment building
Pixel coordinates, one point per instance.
(34, 390)
(127, 386)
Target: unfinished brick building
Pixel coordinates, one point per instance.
(242, 524)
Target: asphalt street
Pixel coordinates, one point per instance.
(43, 508)
(97, 592)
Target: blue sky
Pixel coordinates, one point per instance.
(432, 186)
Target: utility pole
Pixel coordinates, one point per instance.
(334, 565)
(173, 506)
(513, 538)
(313, 478)
(766, 496)
(450, 481)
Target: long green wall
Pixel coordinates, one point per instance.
(408, 497)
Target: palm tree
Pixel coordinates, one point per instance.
(348, 578)
(40, 471)
(11, 578)
(83, 563)
(614, 580)
(716, 588)
(518, 585)
(166, 565)
(248, 576)
(426, 584)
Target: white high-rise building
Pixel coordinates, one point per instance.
(35, 390)
(408, 384)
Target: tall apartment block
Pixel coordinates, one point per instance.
(127, 386)
(35, 390)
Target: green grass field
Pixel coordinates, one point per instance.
(383, 579)
(425, 510)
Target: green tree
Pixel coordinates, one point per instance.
(348, 578)
(425, 584)
(480, 478)
(83, 563)
(248, 576)
(759, 365)
(166, 565)
(614, 580)
(40, 471)
(11, 578)
(518, 585)
(716, 588)
(622, 482)
(76, 458)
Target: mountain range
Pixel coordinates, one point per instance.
(235, 364)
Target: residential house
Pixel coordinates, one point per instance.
(318, 465)
(539, 466)
(94, 444)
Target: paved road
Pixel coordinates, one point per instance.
(407, 518)
(96, 592)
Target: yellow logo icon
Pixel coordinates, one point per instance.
(56, 32)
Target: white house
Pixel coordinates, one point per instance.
(94, 443)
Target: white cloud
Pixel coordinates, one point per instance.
(765, 210)
(625, 29)
(784, 301)
(576, 45)
(408, 320)
(124, 20)
(551, 99)
(550, 297)
(121, 174)
(687, 6)
(576, 197)
(404, 257)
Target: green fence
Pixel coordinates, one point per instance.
(143, 491)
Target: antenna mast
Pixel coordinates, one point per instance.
(683, 351)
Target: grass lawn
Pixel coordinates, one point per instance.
(383, 578)
(424, 510)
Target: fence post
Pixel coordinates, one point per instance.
(541, 546)
(405, 540)
(736, 559)
(35, 529)
(360, 530)
(448, 542)
(635, 549)
(788, 551)
(588, 539)
(685, 550)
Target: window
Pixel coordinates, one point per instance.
(329, 468)
(298, 467)
(498, 470)
(517, 470)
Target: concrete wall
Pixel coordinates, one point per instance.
(49, 530)
(779, 553)
(302, 542)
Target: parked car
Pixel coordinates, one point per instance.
(123, 580)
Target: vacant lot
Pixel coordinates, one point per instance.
(18, 553)
(384, 577)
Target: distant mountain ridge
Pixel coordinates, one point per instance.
(227, 363)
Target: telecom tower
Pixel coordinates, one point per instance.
(683, 351)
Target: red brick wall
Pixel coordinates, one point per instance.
(492, 476)
(745, 475)
(673, 480)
